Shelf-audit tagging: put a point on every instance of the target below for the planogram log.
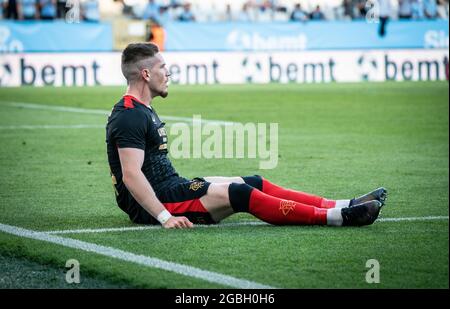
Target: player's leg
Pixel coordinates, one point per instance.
(223, 199)
(217, 201)
(270, 188)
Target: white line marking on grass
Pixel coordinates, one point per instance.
(234, 224)
(152, 227)
(60, 108)
(413, 219)
(134, 258)
(44, 126)
(105, 112)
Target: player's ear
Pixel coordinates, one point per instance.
(146, 74)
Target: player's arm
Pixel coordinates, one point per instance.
(131, 160)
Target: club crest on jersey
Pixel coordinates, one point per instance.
(162, 132)
(196, 185)
(287, 206)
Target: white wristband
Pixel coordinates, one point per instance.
(164, 216)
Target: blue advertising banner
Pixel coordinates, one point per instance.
(304, 36)
(54, 36)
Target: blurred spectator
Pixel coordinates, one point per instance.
(280, 14)
(163, 16)
(265, 12)
(404, 9)
(385, 14)
(157, 33)
(48, 9)
(227, 15)
(245, 14)
(91, 12)
(187, 14)
(417, 9)
(360, 10)
(157, 36)
(175, 3)
(163, 11)
(443, 9)
(12, 9)
(350, 9)
(430, 9)
(151, 11)
(347, 6)
(2, 5)
(61, 9)
(111, 9)
(317, 14)
(28, 9)
(298, 14)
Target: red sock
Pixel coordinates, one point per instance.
(297, 196)
(284, 212)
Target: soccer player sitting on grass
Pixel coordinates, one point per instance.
(149, 189)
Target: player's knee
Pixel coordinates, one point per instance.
(255, 181)
(239, 195)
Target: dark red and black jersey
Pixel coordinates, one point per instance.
(132, 124)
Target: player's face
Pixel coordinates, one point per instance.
(159, 77)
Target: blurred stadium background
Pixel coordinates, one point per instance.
(352, 83)
(220, 42)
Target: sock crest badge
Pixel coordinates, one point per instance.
(287, 206)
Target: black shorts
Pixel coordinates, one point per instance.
(182, 199)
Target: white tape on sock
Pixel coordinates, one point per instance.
(342, 203)
(334, 217)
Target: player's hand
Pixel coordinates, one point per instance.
(178, 223)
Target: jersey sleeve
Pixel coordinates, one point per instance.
(131, 130)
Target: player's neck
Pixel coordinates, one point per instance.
(140, 93)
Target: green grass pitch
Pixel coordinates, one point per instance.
(336, 140)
